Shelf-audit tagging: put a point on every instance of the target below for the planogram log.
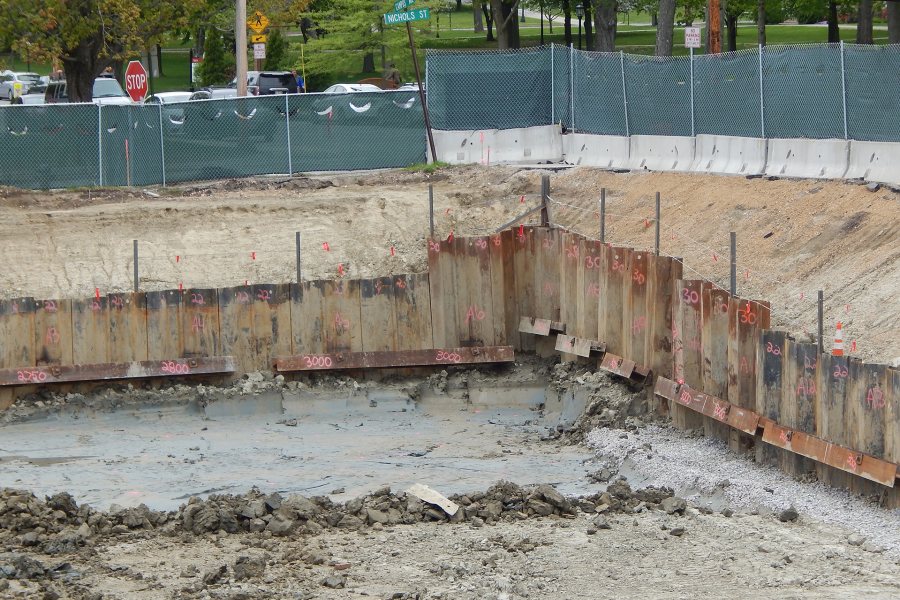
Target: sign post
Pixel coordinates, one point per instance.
(258, 22)
(691, 41)
(136, 83)
(419, 14)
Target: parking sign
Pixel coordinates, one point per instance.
(691, 37)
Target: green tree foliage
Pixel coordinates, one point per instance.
(276, 52)
(86, 36)
(217, 67)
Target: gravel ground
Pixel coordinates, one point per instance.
(704, 471)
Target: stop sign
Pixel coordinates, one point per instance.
(136, 80)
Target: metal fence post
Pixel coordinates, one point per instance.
(137, 281)
(844, 88)
(552, 84)
(762, 109)
(297, 248)
(100, 143)
(287, 120)
(431, 209)
(602, 215)
(656, 246)
(624, 91)
(572, 84)
(692, 92)
(821, 303)
(734, 263)
(162, 146)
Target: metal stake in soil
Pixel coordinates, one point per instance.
(656, 246)
(733, 264)
(602, 215)
(137, 283)
(431, 208)
(821, 302)
(297, 246)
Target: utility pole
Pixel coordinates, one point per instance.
(715, 27)
(240, 46)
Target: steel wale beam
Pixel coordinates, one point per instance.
(834, 455)
(123, 370)
(385, 359)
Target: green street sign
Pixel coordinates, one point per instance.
(401, 4)
(419, 14)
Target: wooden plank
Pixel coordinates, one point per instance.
(770, 358)
(798, 399)
(341, 315)
(866, 419)
(178, 367)
(831, 401)
(443, 300)
(406, 358)
(745, 319)
(503, 290)
(636, 313)
(379, 330)
(614, 276)
(524, 259)
(474, 304)
(200, 323)
(164, 327)
(412, 312)
(569, 291)
(307, 326)
(236, 326)
(588, 307)
(687, 345)
(53, 332)
(90, 327)
(16, 339)
(661, 291)
(127, 327)
(271, 332)
(548, 251)
(714, 314)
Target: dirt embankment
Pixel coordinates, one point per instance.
(794, 237)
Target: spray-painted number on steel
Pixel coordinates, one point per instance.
(317, 362)
(443, 356)
(32, 376)
(690, 296)
(175, 368)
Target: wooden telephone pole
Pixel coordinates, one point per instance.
(715, 27)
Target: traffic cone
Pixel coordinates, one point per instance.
(838, 349)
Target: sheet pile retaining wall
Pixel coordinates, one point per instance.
(475, 293)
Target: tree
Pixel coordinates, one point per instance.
(761, 22)
(864, 23)
(86, 35)
(893, 19)
(476, 16)
(666, 27)
(489, 19)
(588, 24)
(276, 52)
(733, 11)
(505, 16)
(217, 67)
(605, 21)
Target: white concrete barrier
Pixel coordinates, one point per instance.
(875, 161)
(489, 146)
(729, 154)
(813, 159)
(661, 153)
(607, 151)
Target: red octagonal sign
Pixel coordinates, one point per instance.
(136, 80)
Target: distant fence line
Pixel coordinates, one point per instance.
(815, 91)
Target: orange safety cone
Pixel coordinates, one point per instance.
(838, 349)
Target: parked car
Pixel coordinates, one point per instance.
(34, 95)
(168, 97)
(351, 88)
(266, 83)
(14, 84)
(213, 94)
(106, 91)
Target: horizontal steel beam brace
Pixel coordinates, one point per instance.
(540, 326)
(403, 358)
(127, 370)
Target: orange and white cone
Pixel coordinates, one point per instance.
(838, 349)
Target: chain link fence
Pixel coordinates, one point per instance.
(81, 145)
(813, 91)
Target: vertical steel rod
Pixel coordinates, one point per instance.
(844, 88)
(162, 146)
(100, 142)
(297, 248)
(287, 121)
(431, 208)
(415, 59)
(692, 92)
(552, 84)
(545, 195)
(602, 215)
(572, 85)
(656, 246)
(762, 108)
(137, 281)
(624, 91)
(821, 322)
(734, 263)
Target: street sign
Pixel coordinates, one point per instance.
(691, 37)
(401, 4)
(258, 22)
(195, 67)
(136, 82)
(259, 51)
(419, 14)
(259, 39)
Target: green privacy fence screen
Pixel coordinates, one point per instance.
(808, 91)
(814, 91)
(81, 145)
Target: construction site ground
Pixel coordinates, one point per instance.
(297, 489)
